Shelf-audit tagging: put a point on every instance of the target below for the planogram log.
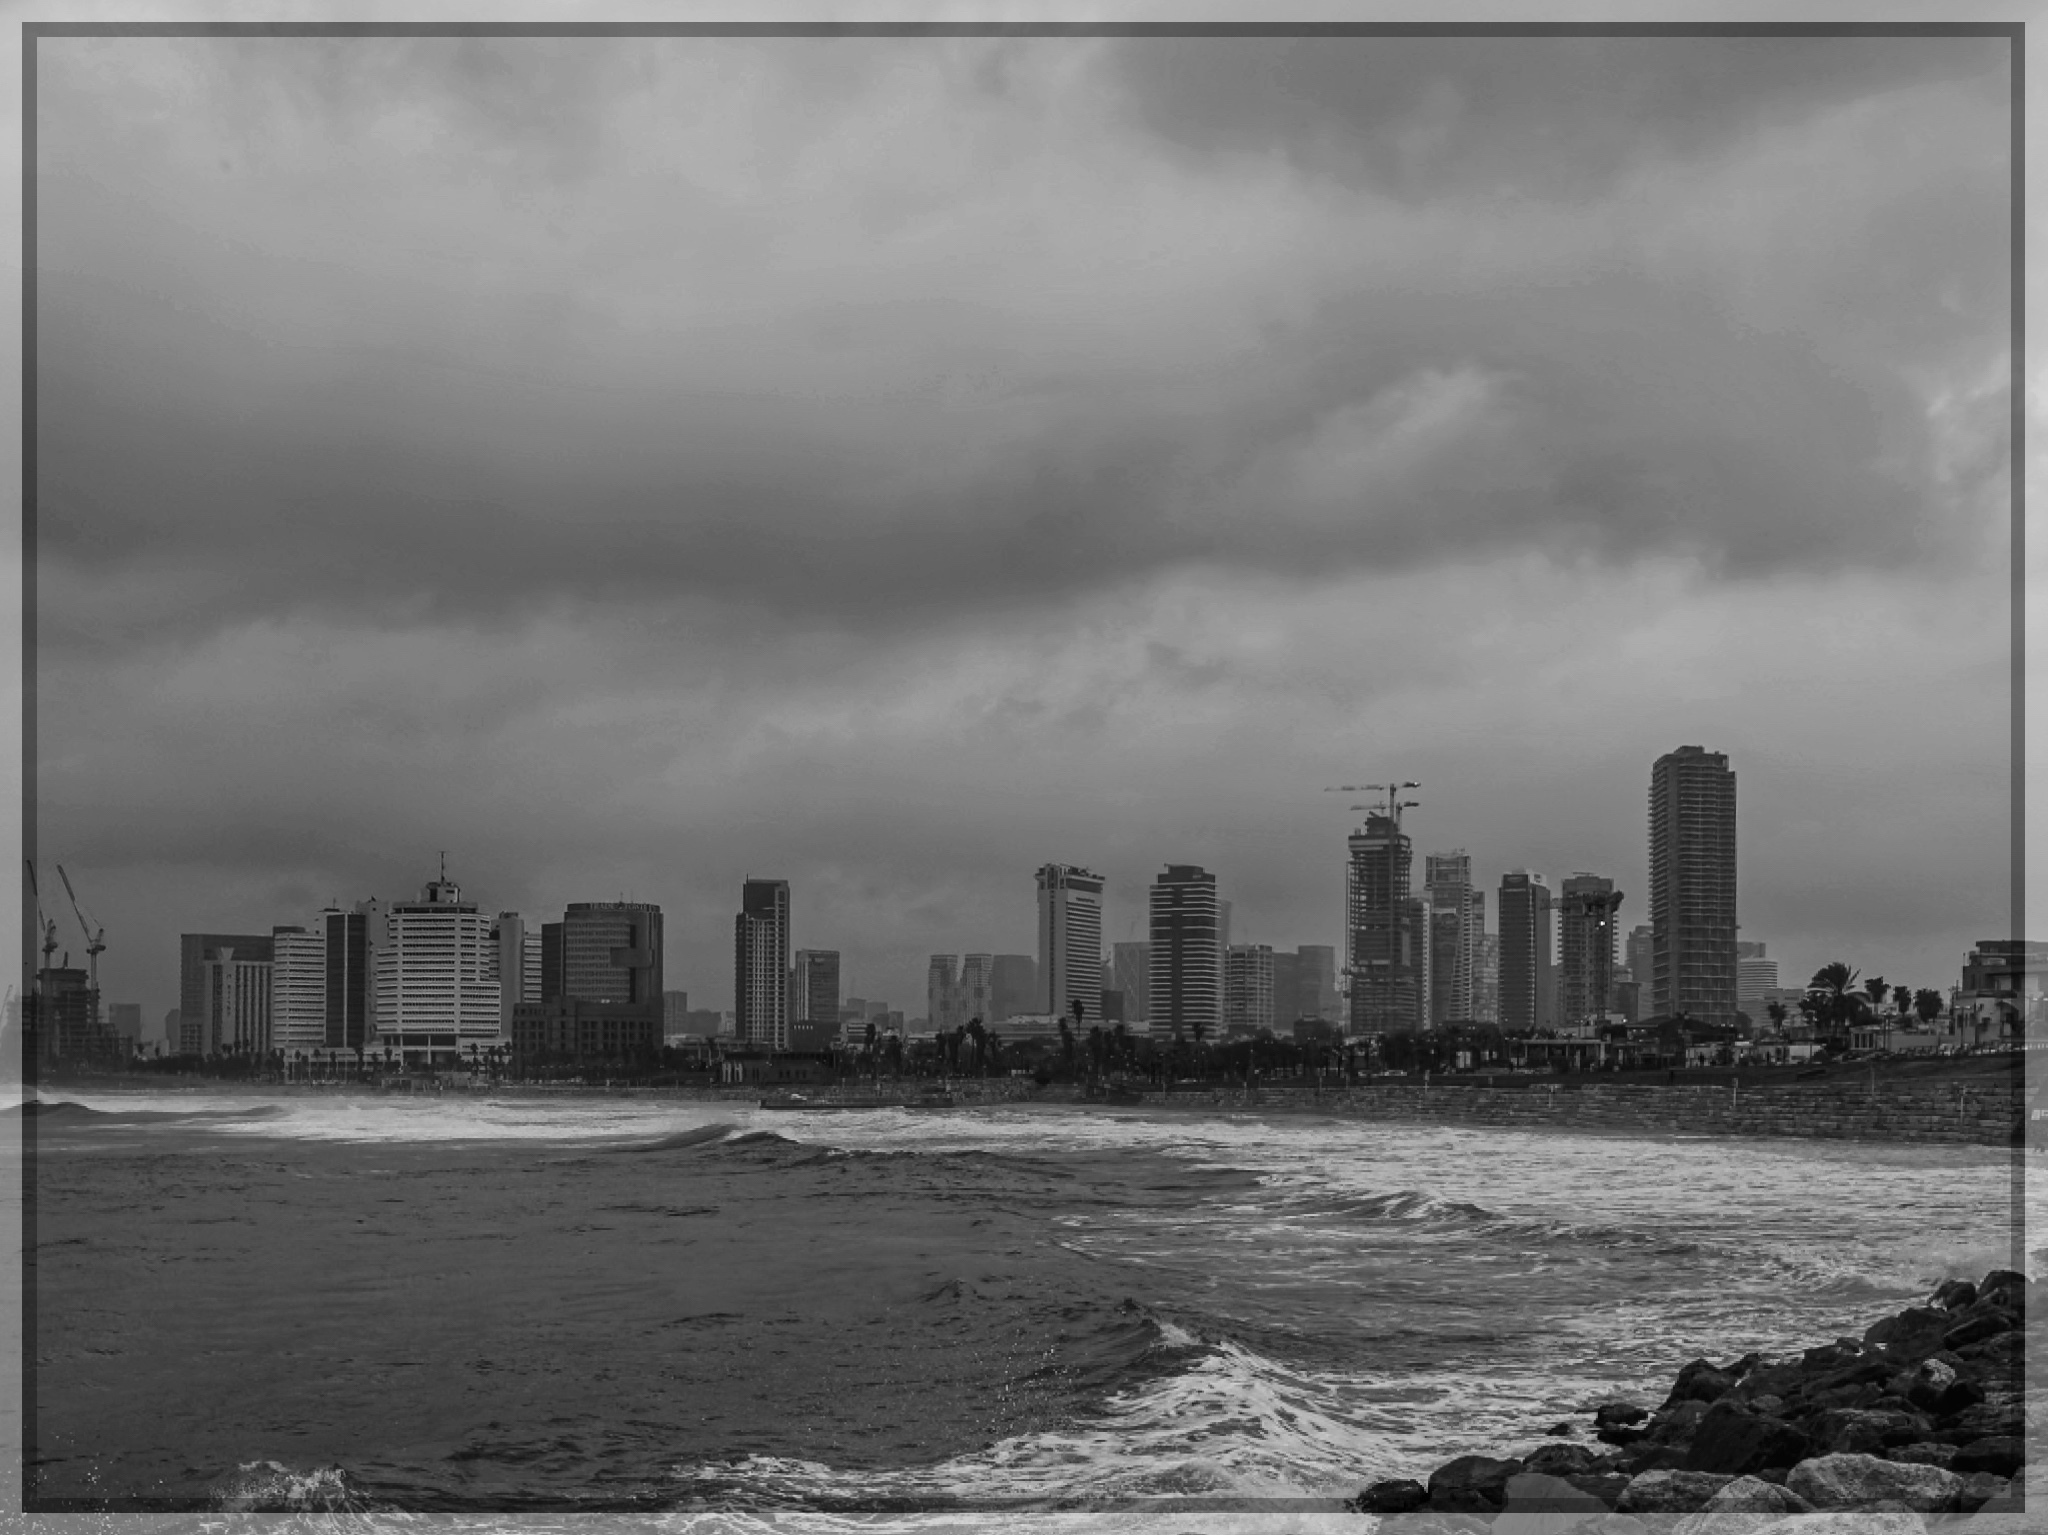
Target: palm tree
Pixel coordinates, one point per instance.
(1834, 988)
(1927, 1004)
(979, 1035)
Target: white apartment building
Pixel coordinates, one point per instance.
(298, 989)
(437, 979)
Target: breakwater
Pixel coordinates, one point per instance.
(1986, 1113)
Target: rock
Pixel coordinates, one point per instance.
(1699, 1381)
(1753, 1495)
(1979, 1325)
(1934, 1386)
(1619, 1415)
(2009, 1287)
(1772, 1377)
(1858, 1523)
(1607, 1486)
(1979, 1488)
(1912, 1334)
(1674, 1425)
(1619, 1435)
(1988, 1420)
(1618, 1524)
(1559, 1430)
(1998, 1357)
(1399, 1496)
(1854, 1431)
(1954, 1295)
(1471, 1484)
(1656, 1457)
(1862, 1481)
(1533, 1492)
(1923, 1454)
(2001, 1456)
(1669, 1492)
(1558, 1459)
(1733, 1441)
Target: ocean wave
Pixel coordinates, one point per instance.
(64, 1108)
(270, 1487)
(682, 1140)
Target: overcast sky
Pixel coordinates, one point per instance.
(890, 465)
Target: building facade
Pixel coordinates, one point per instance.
(1014, 987)
(1070, 941)
(1457, 917)
(1247, 990)
(298, 990)
(353, 939)
(1587, 934)
(437, 980)
(1387, 932)
(195, 952)
(1184, 968)
(1526, 959)
(1692, 886)
(761, 964)
(1130, 968)
(814, 987)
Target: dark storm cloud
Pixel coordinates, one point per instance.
(417, 326)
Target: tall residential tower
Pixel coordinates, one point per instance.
(1692, 886)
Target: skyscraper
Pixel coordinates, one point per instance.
(353, 938)
(1013, 986)
(437, 979)
(1586, 933)
(519, 966)
(1131, 974)
(1318, 982)
(1389, 970)
(815, 993)
(1524, 982)
(1248, 989)
(1457, 914)
(298, 990)
(601, 986)
(1638, 952)
(761, 964)
(1692, 885)
(1070, 941)
(1185, 966)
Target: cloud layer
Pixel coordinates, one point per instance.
(894, 464)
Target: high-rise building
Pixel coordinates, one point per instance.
(298, 990)
(1525, 984)
(1248, 989)
(1185, 967)
(958, 993)
(1756, 977)
(675, 1014)
(601, 994)
(519, 966)
(124, 1021)
(1457, 916)
(1287, 990)
(1587, 929)
(437, 979)
(1014, 985)
(1318, 982)
(1131, 973)
(1070, 941)
(1692, 885)
(234, 1002)
(1486, 980)
(761, 963)
(1638, 951)
(195, 952)
(814, 992)
(353, 939)
(1388, 933)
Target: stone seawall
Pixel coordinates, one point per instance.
(1987, 1115)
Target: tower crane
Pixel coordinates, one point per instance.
(95, 945)
(48, 925)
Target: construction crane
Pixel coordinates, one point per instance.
(95, 945)
(48, 925)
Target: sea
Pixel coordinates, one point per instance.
(698, 1315)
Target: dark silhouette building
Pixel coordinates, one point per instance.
(1692, 886)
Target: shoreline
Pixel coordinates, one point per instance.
(1922, 1413)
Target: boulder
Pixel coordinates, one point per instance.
(1954, 1295)
(1979, 1488)
(1864, 1481)
(1978, 1324)
(1857, 1523)
(1753, 1495)
(1923, 1454)
(1399, 1496)
(1619, 1415)
(1856, 1431)
(1675, 1425)
(1607, 1486)
(1471, 1484)
(2008, 1287)
(1533, 1492)
(2001, 1455)
(1912, 1334)
(1669, 1492)
(1699, 1381)
(1558, 1459)
(2000, 1356)
(1934, 1385)
(1733, 1441)
(1988, 1420)
(1618, 1435)
(1618, 1524)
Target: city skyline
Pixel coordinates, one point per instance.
(650, 523)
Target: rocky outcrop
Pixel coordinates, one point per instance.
(1922, 1414)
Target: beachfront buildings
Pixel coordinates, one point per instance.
(814, 987)
(298, 991)
(437, 992)
(1525, 978)
(1070, 941)
(1130, 972)
(1457, 917)
(1013, 986)
(1692, 886)
(1184, 967)
(1247, 990)
(1587, 930)
(519, 966)
(760, 985)
(1387, 931)
(958, 993)
(601, 987)
(200, 958)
